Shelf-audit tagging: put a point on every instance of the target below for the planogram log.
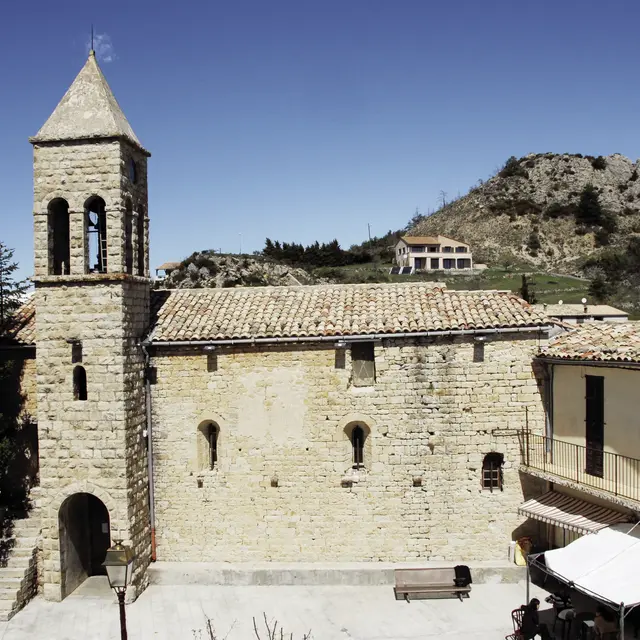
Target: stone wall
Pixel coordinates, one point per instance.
(95, 445)
(283, 488)
(75, 172)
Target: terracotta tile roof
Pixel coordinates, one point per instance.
(429, 240)
(600, 341)
(331, 310)
(22, 328)
(168, 265)
(420, 239)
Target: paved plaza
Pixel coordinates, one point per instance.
(330, 612)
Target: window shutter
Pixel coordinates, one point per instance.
(363, 364)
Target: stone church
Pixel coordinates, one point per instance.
(329, 423)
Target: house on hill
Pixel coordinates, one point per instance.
(433, 253)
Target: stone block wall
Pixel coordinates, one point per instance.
(283, 487)
(76, 171)
(95, 445)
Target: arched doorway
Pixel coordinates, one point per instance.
(84, 539)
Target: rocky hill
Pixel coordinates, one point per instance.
(548, 210)
(210, 270)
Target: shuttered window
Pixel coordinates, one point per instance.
(363, 364)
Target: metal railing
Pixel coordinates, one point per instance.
(590, 466)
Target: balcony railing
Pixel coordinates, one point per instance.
(589, 466)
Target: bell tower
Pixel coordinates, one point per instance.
(92, 309)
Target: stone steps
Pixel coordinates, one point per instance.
(18, 578)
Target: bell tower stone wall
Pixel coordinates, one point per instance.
(90, 319)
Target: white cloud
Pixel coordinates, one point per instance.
(103, 47)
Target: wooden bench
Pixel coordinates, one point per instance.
(428, 583)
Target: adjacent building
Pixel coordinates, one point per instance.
(589, 453)
(580, 313)
(433, 253)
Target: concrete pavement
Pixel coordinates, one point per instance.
(330, 612)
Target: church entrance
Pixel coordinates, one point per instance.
(84, 539)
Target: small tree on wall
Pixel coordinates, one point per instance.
(11, 290)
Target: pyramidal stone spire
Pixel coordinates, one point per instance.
(88, 110)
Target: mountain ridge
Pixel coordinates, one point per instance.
(535, 211)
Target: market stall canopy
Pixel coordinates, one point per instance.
(571, 513)
(603, 564)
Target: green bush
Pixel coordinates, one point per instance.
(513, 168)
(601, 237)
(634, 175)
(599, 163)
(533, 243)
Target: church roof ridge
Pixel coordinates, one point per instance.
(88, 110)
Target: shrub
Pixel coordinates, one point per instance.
(599, 163)
(557, 210)
(590, 212)
(601, 237)
(634, 175)
(622, 187)
(629, 211)
(599, 290)
(513, 168)
(530, 163)
(533, 243)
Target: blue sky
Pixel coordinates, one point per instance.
(307, 119)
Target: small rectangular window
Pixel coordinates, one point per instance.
(363, 364)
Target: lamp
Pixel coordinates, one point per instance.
(119, 565)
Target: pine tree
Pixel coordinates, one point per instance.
(11, 291)
(526, 291)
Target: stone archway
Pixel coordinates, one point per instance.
(85, 537)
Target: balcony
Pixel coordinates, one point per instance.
(606, 473)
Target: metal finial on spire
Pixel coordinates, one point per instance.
(92, 51)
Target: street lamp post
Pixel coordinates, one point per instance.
(119, 564)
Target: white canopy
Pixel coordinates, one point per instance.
(604, 564)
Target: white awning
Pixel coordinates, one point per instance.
(571, 513)
(604, 564)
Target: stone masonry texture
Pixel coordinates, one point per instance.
(284, 413)
(96, 445)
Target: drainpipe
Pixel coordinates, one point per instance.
(152, 506)
(341, 338)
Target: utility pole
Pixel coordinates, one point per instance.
(369, 229)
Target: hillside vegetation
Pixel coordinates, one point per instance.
(552, 212)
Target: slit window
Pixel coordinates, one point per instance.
(357, 444)
(79, 383)
(96, 228)
(141, 242)
(208, 433)
(363, 364)
(59, 238)
(128, 238)
(492, 472)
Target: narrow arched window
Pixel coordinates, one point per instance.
(357, 443)
(141, 242)
(128, 238)
(79, 383)
(96, 247)
(213, 446)
(208, 446)
(59, 238)
(492, 471)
